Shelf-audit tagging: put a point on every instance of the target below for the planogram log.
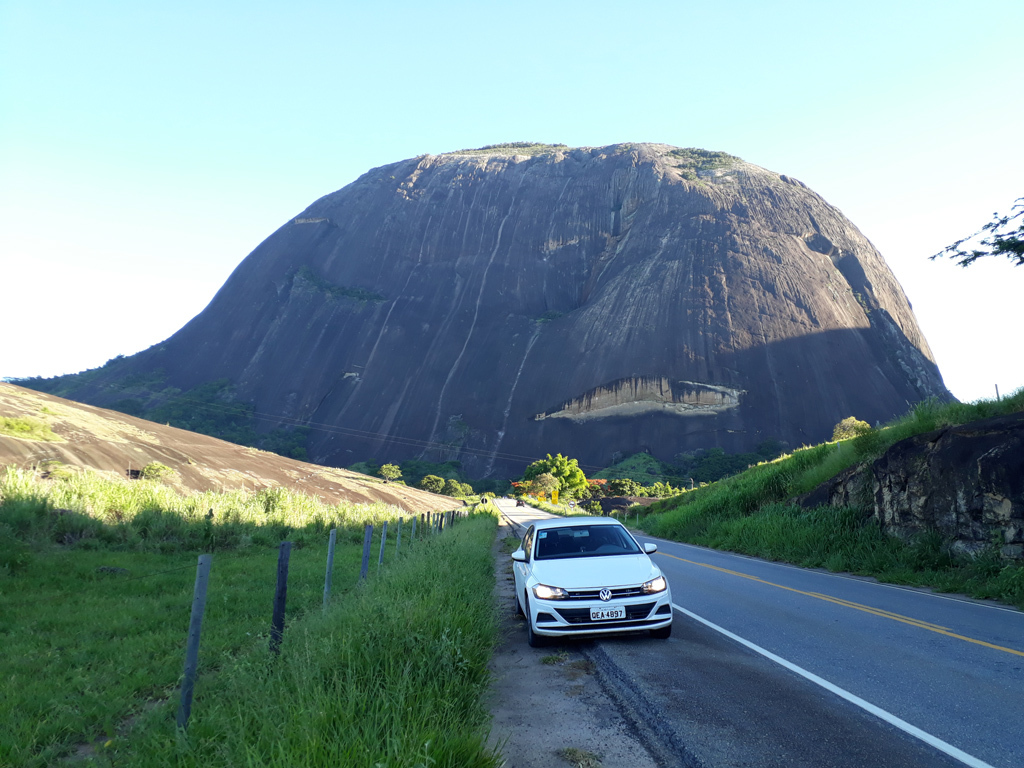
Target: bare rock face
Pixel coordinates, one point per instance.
(966, 482)
(496, 305)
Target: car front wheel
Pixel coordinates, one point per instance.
(534, 640)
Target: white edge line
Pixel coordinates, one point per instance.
(888, 717)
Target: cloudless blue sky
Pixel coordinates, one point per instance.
(146, 149)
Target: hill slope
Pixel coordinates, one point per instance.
(113, 442)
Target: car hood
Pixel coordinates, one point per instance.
(594, 572)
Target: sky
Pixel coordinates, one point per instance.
(147, 148)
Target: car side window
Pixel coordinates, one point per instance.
(528, 544)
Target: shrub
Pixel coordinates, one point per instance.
(26, 428)
(623, 486)
(155, 470)
(850, 427)
(432, 483)
(545, 483)
(455, 488)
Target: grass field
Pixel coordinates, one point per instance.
(96, 579)
(392, 676)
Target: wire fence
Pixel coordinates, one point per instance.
(419, 528)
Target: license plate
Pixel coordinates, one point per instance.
(607, 613)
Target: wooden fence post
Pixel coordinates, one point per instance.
(367, 535)
(412, 536)
(330, 566)
(284, 552)
(383, 541)
(195, 627)
(398, 545)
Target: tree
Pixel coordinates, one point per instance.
(432, 483)
(390, 472)
(453, 487)
(623, 486)
(850, 427)
(545, 483)
(571, 480)
(999, 238)
(661, 490)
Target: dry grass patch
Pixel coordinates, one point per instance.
(579, 758)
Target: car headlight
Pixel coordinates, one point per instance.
(544, 592)
(654, 585)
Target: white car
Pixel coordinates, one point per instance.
(588, 576)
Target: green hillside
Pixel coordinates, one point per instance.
(755, 513)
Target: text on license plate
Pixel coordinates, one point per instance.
(607, 612)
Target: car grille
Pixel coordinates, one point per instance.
(582, 615)
(594, 594)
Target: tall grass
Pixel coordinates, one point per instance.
(96, 579)
(751, 513)
(89, 510)
(393, 676)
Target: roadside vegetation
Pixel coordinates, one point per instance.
(445, 478)
(27, 428)
(753, 513)
(96, 578)
(393, 676)
(687, 469)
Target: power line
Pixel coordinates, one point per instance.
(385, 437)
(242, 410)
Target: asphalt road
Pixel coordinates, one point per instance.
(773, 665)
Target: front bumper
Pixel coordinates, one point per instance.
(563, 618)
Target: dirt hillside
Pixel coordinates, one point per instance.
(115, 443)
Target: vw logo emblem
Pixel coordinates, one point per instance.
(605, 594)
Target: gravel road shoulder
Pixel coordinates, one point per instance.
(548, 707)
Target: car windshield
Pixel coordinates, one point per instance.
(584, 541)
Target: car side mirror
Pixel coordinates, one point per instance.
(650, 549)
(519, 556)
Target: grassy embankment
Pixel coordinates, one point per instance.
(391, 674)
(752, 513)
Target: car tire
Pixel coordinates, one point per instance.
(519, 607)
(662, 633)
(532, 638)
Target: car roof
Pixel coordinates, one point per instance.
(564, 522)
